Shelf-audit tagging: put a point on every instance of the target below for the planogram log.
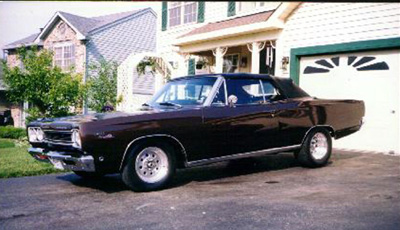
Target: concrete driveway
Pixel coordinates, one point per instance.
(355, 191)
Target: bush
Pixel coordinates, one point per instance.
(12, 132)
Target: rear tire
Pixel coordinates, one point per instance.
(316, 149)
(149, 167)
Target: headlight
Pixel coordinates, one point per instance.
(76, 139)
(35, 134)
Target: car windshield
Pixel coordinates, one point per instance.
(190, 91)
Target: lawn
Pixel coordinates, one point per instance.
(15, 161)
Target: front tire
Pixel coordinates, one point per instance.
(149, 167)
(316, 149)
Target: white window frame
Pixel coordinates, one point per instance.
(64, 61)
(238, 62)
(181, 6)
(258, 7)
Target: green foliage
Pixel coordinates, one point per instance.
(50, 90)
(142, 66)
(12, 132)
(102, 85)
(34, 114)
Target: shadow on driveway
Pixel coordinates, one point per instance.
(113, 183)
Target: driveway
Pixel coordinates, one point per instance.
(355, 191)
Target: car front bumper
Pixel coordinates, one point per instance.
(63, 160)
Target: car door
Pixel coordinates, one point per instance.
(292, 115)
(249, 125)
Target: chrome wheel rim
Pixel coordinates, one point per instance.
(151, 165)
(319, 146)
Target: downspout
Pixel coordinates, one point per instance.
(85, 74)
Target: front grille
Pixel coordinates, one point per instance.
(58, 137)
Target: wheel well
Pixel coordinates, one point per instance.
(179, 150)
(327, 127)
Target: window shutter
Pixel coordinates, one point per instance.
(200, 11)
(164, 16)
(231, 8)
(191, 67)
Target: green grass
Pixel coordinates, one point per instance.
(15, 161)
(6, 144)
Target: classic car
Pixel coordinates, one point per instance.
(197, 120)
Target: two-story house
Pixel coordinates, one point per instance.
(80, 41)
(332, 50)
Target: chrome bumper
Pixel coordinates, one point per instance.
(62, 160)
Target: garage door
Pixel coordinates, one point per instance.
(369, 76)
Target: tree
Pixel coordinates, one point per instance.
(102, 85)
(50, 91)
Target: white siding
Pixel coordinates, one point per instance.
(314, 24)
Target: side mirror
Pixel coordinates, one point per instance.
(232, 100)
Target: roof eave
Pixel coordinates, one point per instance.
(10, 47)
(230, 32)
(276, 21)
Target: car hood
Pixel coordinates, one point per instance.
(74, 121)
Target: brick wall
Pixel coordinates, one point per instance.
(57, 36)
(16, 114)
(12, 59)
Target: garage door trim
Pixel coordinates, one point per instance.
(297, 53)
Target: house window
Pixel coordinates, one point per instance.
(175, 14)
(190, 12)
(231, 63)
(248, 6)
(64, 55)
(177, 9)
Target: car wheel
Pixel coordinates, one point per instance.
(149, 167)
(89, 175)
(316, 149)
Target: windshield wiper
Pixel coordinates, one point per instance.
(146, 106)
(170, 104)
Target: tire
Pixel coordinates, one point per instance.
(89, 175)
(149, 167)
(316, 149)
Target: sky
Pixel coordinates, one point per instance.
(21, 19)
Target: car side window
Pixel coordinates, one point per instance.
(248, 91)
(270, 92)
(219, 98)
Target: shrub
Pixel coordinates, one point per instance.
(12, 132)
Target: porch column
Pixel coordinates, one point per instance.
(219, 58)
(255, 49)
(182, 66)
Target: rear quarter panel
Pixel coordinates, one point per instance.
(344, 116)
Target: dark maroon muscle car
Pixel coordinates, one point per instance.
(197, 120)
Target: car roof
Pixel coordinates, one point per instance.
(227, 75)
(289, 88)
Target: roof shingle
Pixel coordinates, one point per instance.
(25, 41)
(83, 24)
(239, 21)
(87, 25)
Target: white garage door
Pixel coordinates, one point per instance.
(369, 76)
